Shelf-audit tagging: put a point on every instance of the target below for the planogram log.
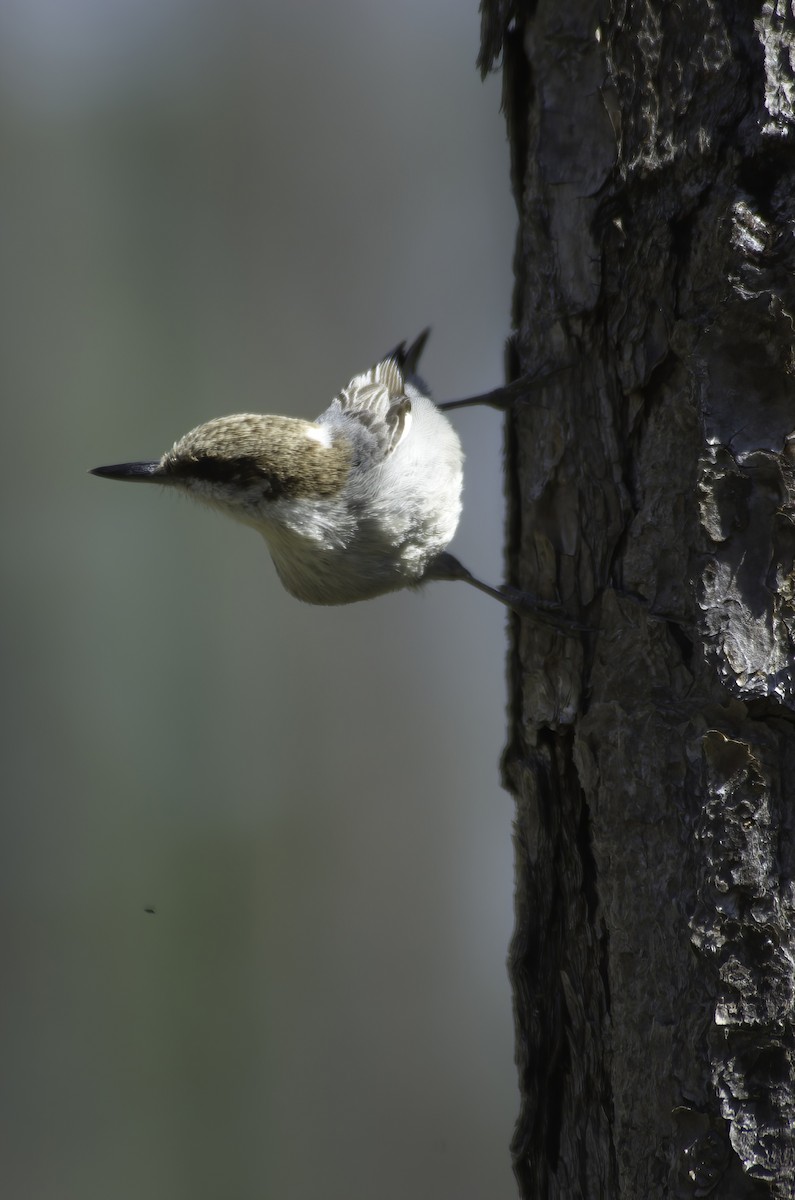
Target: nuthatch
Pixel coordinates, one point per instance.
(360, 502)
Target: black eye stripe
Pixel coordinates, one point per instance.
(218, 470)
(243, 471)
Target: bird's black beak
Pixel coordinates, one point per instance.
(140, 472)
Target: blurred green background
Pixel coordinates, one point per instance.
(212, 206)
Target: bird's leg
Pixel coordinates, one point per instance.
(446, 566)
(510, 393)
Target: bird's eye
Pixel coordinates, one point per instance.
(212, 469)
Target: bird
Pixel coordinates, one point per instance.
(361, 502)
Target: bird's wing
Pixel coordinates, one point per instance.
(377, 401)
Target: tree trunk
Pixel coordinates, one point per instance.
(651, 488)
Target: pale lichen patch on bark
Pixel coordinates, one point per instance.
(776, 30)
(744, 926)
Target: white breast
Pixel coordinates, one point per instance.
(391, 519)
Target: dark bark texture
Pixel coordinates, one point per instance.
(650, 484)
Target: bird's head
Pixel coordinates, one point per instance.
(244, 464)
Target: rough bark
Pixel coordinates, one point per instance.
(650, 486)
